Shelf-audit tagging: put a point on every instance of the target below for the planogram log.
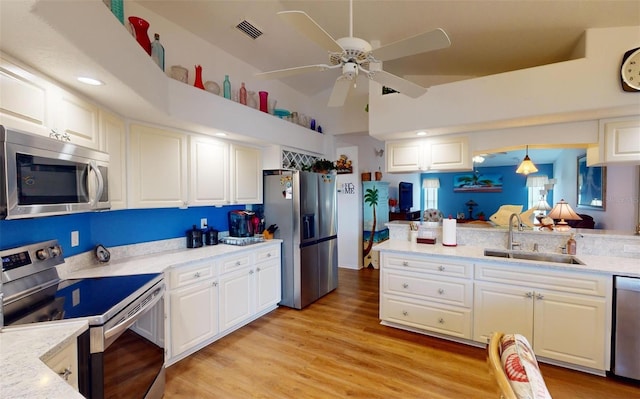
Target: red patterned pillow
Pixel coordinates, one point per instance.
(521, 367)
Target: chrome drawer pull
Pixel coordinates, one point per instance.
(440, 291)
(196, 275)
(441, 268)
(405, 285)
(405, 263)
(441, 320)
(405, 313)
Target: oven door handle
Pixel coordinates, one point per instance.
(127, 322)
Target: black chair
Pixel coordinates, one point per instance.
(587, 222)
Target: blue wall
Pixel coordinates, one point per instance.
(514, 191)
(111, 228)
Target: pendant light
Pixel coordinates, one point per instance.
(526, 166)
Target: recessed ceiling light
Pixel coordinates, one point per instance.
(421, 133)
(220, 134)
(90, 81)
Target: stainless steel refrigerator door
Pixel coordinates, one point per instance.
(327, 206)
(308, 276)
(281, 207)
(307, 191)
(327, 266)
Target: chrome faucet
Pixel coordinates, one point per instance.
(511, 244)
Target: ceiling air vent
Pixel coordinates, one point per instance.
(250, 30)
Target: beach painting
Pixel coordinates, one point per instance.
(477, 182)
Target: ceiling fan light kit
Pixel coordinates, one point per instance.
(355, 55)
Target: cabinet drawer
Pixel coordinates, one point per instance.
(184, 275)
(441, 289)
(429, 264)
(236, 262)
(558, 280)
(427, 315)
(267, 254)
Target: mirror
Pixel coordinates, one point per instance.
(591, 184)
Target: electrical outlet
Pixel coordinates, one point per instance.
(203, 223)
(75, 238)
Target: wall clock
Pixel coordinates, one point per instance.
(630, 70)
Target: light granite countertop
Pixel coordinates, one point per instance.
(610, 265)
(23, 351)
(22, 348)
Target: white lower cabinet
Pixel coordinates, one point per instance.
(427, 293)
(65, 363)
(212, 298)
(565, 315)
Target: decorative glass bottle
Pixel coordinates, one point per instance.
(227, 87)
(198, 81)
(264, 101)
(117, 8)
(243, 94)
(157, 51)
(139, 29)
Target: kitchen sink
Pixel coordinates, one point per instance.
(536, 256)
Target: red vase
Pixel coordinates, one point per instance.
(139, 28)
(198, 81)
(264, 102)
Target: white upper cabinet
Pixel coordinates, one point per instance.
(157, 168)
(114, 141)
(428, 154)
(77, 118)
(209, 171)
(246, 175)
(619, 142)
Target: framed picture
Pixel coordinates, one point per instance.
(478, 183)
(592, 185)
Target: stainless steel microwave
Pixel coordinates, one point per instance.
(41, 176)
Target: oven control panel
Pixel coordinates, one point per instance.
(14, 260)
(29, 259)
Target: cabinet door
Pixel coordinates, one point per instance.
(114, 141)
(246, 175)
(158, 168)
(268, 292)
(194, 315)
(65, 364)
(571, 328)
(209, 172)
(501, 307)
(404, 156)
(448, 154)
(78, 118)
(235, 298)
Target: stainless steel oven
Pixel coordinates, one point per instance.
(41, 176)
(124, 355)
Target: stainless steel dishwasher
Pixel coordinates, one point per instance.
(626, 335)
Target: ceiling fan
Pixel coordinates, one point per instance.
(355, 56)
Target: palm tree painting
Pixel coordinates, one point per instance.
(477, 182)
(371, 199)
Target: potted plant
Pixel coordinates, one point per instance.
(322, 166)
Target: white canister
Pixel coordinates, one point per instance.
(449, 232)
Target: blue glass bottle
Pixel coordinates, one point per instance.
(227, 87)
(157, 51)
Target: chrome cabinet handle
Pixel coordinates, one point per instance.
(441, 268)
(528, 295)
(269, 255)
(66, 373)
(405, 263)
(238, 263)
(196, 275)
(257, 269)
(440, 291)
(405, 313)
(215, 283)
(405, 285)
(539, 296)
(441, 320)
(251, 271)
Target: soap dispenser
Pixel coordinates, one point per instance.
(571, 245)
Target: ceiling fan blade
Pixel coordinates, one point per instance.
(283, 73)
(340, 92)
(422, 43)
(305, 24)
(397, 83)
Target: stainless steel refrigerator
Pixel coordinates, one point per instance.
(303, 205)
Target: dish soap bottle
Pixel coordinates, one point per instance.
(227, 87)
(571, 245)
(157, 51)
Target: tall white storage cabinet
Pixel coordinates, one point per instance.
(349, 213)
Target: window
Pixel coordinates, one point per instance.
(536, 190)
(430, 188)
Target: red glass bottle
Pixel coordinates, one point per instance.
(198, 81)
(264, 102)
(139, 29)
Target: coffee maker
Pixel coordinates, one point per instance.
(241, 223)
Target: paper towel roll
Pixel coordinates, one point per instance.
(449, 232)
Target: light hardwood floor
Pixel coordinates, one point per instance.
(336, 348)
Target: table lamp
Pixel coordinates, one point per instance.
(563, 211)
